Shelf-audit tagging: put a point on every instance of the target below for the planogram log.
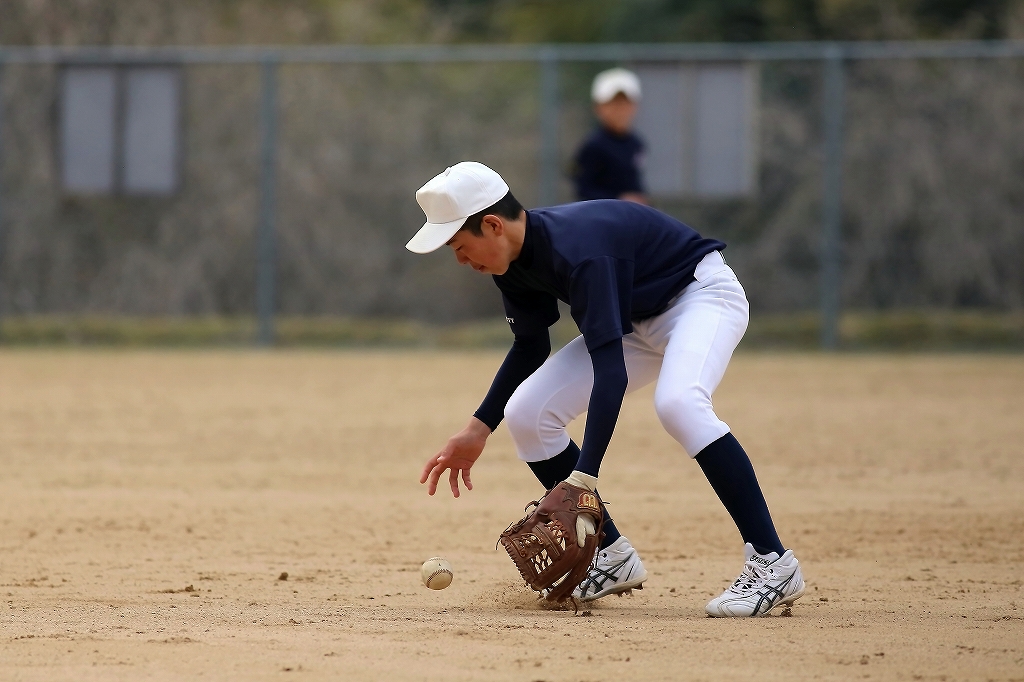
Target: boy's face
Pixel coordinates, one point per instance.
(617, 114)
(487, 253)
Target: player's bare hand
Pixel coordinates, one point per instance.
(635, 197)
(457, 457)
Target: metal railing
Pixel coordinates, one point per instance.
(833, 55)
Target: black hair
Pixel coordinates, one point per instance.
(506, 207)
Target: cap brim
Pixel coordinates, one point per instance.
(606, 97)
(433, 236)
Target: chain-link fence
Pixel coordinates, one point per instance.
(291, 190)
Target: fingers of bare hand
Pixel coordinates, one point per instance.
(466, 480)
(453, 480)
(435, 476)
(425, 474)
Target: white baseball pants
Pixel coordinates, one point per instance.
(686, 350)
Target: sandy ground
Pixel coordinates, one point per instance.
(150, 503)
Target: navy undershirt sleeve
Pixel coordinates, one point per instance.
(605, 402)
(528, 353)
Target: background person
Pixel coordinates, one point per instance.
(607, 165)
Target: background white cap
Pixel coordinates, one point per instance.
(449, 198)
(609, 83)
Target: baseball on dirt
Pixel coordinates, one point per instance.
(436, 573)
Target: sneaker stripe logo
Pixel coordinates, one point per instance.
(769, 596)
(599, 576)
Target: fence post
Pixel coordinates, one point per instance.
(832, 196)
(547, 192)
(266, 242)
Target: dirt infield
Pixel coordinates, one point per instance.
(152, 502)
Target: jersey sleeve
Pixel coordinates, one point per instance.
(600, 295)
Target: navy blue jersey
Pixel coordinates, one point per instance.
(611, 261)
(607, 165)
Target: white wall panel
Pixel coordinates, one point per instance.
(87, 129)
(721, 136)
(151, 130)
(660, 123)
(699, 123)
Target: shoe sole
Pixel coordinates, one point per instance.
(620, 588)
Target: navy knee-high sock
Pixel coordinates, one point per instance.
(553, 471)
(730, 473)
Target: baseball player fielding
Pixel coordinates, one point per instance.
(655, 302)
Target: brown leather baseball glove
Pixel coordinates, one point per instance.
(554, 545)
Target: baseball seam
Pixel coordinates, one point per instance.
(437, 573)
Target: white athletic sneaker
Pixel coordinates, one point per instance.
(767, 581)
(618, 569)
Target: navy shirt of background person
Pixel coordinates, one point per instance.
(607, 164)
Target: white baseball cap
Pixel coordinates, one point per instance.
(449, 198)
(609, 83)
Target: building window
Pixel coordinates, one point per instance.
(700, 125)
(120, 130)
